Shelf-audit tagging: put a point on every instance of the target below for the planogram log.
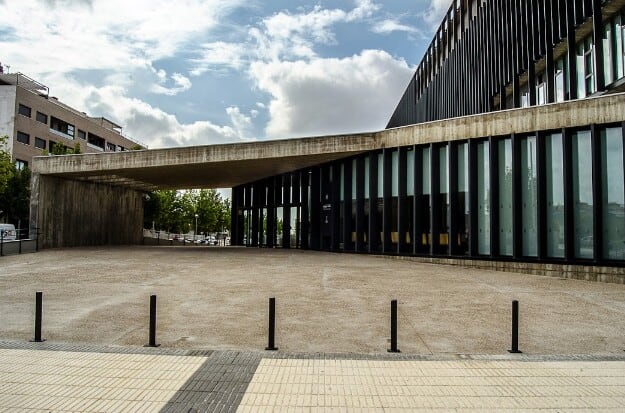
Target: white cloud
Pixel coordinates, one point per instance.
(103, 34)
(216, 55)
(390, 25)
(436, 11)
(181, 83)
(323, 96)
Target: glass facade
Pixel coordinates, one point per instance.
(483, 198)
(613, 194)
(529, 197)
(583, 209)
(547, 196)
(505, 197)
(554, 211)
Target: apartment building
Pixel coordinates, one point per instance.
(35, 122)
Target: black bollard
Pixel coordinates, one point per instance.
(515, 328)
(152, 342)
(38, 317)
(272, 325)
(393, 348)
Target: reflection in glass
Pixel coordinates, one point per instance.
(483, 199)
(462, 207)
(409, 201)
(582, 195)
(555, 195)
(505, 196)
(423, 202)
(529, 202)
(613, 198)
(443, 198)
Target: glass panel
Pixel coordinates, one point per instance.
(607, 54)
(505, 196)
(354, 180)
(423, 203)
(380, 175)
(619, 31)
(582, 195)
(613, 198)
(395, 173)
(555, 195)
(342, 183)
(529, 197)
(561, 81)
(462, 212)
(367, 176)
(483, 198)
(581, 78)
(443, 163)
(425, 164)
(279, 226)
(410, 173)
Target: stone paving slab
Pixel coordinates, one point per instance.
(49, 377)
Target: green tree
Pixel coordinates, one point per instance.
(14, 189)
(174, 211)
(6, 166)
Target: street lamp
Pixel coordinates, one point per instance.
(196, 215)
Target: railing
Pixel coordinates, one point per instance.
(18, 246)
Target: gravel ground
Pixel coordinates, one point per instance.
(216, 298)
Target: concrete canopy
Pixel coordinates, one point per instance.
(214, 166)
(229, 165)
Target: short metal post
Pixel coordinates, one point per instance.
(272, 325)
(38, 317)
(152, 342)
(515, 328)
(393, 348)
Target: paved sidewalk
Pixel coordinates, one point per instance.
(47, 377)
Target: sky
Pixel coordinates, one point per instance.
(199, 72)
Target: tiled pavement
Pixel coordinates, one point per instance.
(47, 377)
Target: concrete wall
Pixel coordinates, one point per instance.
(7, 114)
(72, 213)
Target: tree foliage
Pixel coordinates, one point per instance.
(14, 189)
(174, 211)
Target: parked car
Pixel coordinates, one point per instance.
(8, 232)
(211, 240)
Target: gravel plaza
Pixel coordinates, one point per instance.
(332, 333)
(217, 298)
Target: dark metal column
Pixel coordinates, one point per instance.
(360, 203)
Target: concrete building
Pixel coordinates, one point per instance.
(496, 155)
(35, 122)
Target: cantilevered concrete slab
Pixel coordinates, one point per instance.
(228, 165)
(94, 199)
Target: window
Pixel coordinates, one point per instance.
(96, 142)
(529, 194)
(24, 110)
(554, 161)
(541, 89)
(613, 193)
(82, 134)
(65, 129)
(583, 209)
(585, 67)
(561, 81)
(483, 198)
(42, 117)
(23, 138)
(40, 143)
(505, 196)
(20, 165)
(110, 147)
